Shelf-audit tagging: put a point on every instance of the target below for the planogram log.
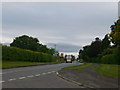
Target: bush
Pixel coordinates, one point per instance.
(108, 59)
(117, 55)
(17, 54)
(106, 52)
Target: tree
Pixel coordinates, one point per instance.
(26, 42)
(105, 42)
(115, 33)
(85, 54)
(96, 47)
(80, 54)
(115, 38)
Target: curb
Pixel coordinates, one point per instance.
(79, 84)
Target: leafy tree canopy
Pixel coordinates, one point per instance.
(26, 42)
(115, 32)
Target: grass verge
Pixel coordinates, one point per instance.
(109, 70)
(12, 64)
(79, 66)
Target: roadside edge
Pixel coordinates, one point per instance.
(79, 84)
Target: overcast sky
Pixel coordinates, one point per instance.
(68, 25)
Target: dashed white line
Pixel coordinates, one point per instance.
(53, 71)
(30, 76)
(22, 77)
(43, 73)
(49, 72)
(2, 81)
(12, 79)
(37, 75)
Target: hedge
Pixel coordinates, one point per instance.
(17, 54)
(108, 59)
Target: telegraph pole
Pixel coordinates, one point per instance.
(55, 47)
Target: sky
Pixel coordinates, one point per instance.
(68, 25)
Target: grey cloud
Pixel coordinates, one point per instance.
(63, 47)
(71, 23)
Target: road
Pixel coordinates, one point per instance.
(43, 76)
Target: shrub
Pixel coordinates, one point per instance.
(108, 59)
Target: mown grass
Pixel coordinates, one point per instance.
(79, 66)
(12, 64)
(109, 70)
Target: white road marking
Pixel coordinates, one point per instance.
(30, 76)
(53, 71)
(37, 75)
(22, 77)
(49, 72)
(43, 73)
(2, 81)
(57, 73)
(12, 79)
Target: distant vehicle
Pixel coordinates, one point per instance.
(68, 58)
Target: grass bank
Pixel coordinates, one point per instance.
(109, 70)
(12, 64)
(103, 69)
(79, 66)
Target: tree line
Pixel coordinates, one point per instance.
(101, 51)
(26, 48)
(30, 43)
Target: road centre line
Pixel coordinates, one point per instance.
(37, 74)
(53, 71)
(31, 76)
(49, 72)
(28, 76)
(22, 77)
(2, 81)
(12, 79)
(44, 73)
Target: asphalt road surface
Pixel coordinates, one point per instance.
(43, 76)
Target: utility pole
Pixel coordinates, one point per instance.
(55, 47)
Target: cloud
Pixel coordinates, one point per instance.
(67, 23)
(63, 47)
